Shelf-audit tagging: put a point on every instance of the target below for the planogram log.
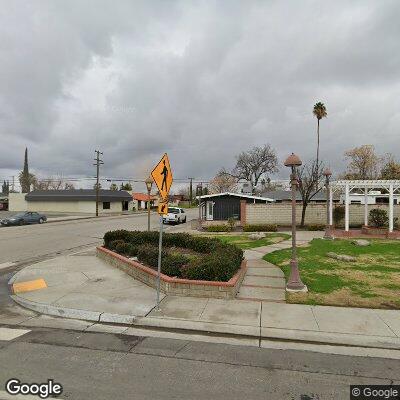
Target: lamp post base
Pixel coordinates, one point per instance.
(304, 289)
(328, 233)
(294, 283)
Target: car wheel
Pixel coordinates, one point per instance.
(41, 220)
(20, 223)
(184, 221)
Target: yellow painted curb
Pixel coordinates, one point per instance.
(29, 286)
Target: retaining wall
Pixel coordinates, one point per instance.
(175, 286)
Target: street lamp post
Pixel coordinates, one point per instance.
(327, 173)
(294, 283)
(149, 184)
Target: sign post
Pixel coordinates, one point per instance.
(162, 176)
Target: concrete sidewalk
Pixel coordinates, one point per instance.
(83, 287)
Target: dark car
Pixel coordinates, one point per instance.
(24, 219)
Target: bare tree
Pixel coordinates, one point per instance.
(363, 163)
(255, 164)
(223, 182)
(51, 183)
(308, 176)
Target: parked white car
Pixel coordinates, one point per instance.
(175, 216)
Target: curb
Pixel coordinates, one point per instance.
(93, 217)
(72, 313)
(210, 328)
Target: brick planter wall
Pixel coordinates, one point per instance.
(175, 286)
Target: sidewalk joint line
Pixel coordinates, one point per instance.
(315, 318)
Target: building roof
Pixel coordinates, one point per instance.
(143, 196)
(286, 195)
(78, 195)
(241, 195)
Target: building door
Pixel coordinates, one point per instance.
(209, 210)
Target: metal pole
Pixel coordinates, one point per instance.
(294, 251)
(159, 262)
(148, 210)
(191, 192)
(97, 182)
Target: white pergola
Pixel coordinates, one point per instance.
(348, 186)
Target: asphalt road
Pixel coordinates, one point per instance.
(33, 242)
(110, 366)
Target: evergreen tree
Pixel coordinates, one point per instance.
(25, 178)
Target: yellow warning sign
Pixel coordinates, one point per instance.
(163, 206)
(162, 176)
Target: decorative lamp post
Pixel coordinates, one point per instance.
(294, 283)
(327, 173)
(149, 184)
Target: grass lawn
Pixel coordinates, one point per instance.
(371, 281)
(243, 241)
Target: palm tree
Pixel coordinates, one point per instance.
(320, 112)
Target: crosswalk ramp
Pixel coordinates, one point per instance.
(7, 334)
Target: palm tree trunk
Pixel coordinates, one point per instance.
(318, 144)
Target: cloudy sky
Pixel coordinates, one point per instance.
(201, 80)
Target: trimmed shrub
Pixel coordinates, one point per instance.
(218, 228)
(148, 254)
(378, 218)
(218, 261)
(171, 264)
(316, 227)
(231, 223)
(338, 214)
(260, 228)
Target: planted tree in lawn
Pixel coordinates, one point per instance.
(308, 176)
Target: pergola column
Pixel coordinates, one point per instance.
(391, 208)
(346, 205)
(330, 206)
(366, 206)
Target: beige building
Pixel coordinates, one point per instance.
(71, 201)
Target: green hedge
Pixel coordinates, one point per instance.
(216, 261)
(218, 228)
(260, 228)
(316, 227)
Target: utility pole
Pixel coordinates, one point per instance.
(98, 163)
(12, 185)
(191, 191)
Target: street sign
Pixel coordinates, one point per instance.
(162, 176)
(163, 206)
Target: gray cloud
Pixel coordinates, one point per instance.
(200, 80)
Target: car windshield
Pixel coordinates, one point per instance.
(173, 210)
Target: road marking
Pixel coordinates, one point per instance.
(10, 334)
(29, 286)
(5, 396)
(6, 265)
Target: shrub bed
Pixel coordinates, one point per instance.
(218, 228)
(260, 228)
(316, 227)
(209, 258)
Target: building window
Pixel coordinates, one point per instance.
(106, 205)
